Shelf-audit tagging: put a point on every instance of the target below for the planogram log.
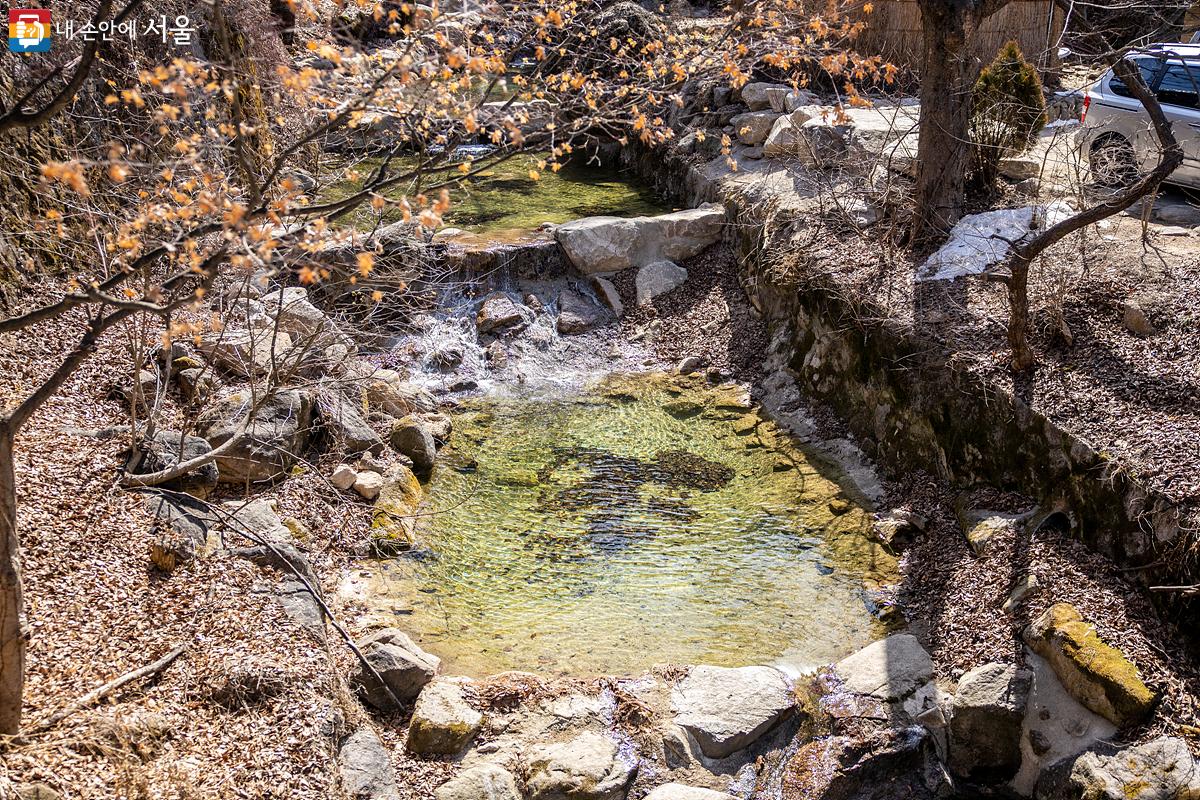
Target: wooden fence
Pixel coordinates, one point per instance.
(893, 31)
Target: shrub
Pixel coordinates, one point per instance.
(1009, 112)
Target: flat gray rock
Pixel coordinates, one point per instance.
(484, 782)
(366, 768)
(726, 709)
(890, 669)
(587, 767)
(679, 791)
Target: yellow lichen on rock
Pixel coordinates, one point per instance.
(393, 520)
(1096, 674)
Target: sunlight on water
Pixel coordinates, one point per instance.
(644, 522)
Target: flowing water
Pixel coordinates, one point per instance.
(643, 520)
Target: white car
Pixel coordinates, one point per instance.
(1117, 137)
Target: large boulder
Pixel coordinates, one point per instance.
(809, 139)
(611, 244)
(384, 389)
(404, 667)
(167, 449)
(890, 669)
(249, 352)
(443, 722)
(757, 95)
(587, 767)
(726, 709)
(656, 278)
(276, 433)
(1057, 726)
(985, 726)
(366, 767)
(413, 437)
(344, 423)
(752, 128)
(1096, 674)
(482, 782)
(308, 325)
(1161, 769)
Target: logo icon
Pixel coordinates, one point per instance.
(29, 30)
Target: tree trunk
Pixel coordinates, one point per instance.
(948, 74)
(1018, 314)
(12, 638)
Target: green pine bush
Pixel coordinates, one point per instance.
(1009, 112)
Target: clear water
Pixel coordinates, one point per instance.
(649, 520)
(505, 204)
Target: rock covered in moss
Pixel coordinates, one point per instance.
(393, 521)
(1096, 674)
(404, 667)
(443, 722)
(1161, 769)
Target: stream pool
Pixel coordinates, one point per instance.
(646, 520)
(504, 204)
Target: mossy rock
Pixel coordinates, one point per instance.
(1096, 674)
(393, 522)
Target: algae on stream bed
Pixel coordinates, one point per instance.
(504, 204)
(651, 520)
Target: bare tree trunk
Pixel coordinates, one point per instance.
(12, 639)
(944, 150)
(1018, 314)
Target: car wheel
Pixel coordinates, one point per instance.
(1113, 162)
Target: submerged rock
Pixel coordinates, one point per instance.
(727, 709)
(587, 767)
(1096, 674)
(442, 721)
(404, 667)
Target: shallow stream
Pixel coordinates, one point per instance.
(644, 520)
